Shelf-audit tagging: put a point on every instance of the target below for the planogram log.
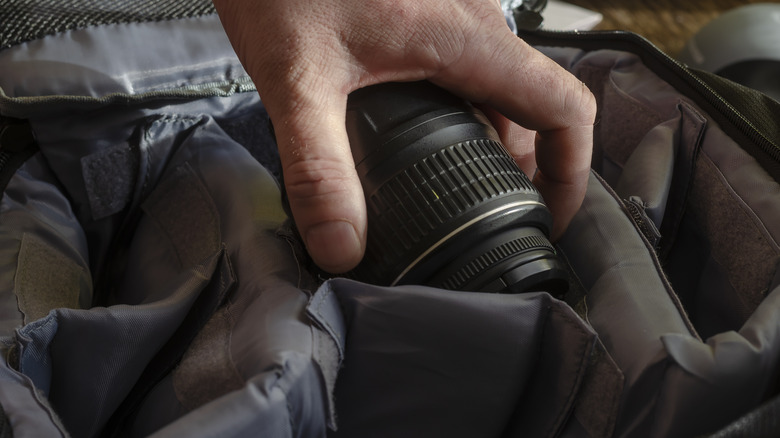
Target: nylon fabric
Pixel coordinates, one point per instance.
(40, 76)
(261, 407)
(598, 407)
(758, 109)
(690, 134)
(28, 411)
(415, 355)
(238, 203)
(556, 386)
(619, 270)
(86, 396)
(25, 20)
(764, 422)
(5, 425)
(36, 211)
(730, 370)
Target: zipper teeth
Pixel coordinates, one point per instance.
(24, 106)
(745, 126)
(641, 223)
(754, 133)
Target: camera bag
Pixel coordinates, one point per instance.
(151, 283)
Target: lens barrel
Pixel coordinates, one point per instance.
(447, 205)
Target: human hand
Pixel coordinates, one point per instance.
(306, 56)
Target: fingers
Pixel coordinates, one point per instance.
(535, 92)
(563, 161)
(520, 142)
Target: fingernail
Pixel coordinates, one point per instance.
(334, 246)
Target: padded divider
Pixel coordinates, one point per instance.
(720, 227)
(721, 271)
(630, 303)
(727, 256)
(424, 362)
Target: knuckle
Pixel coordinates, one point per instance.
(316, 179)
(575, 105)
(583, 101)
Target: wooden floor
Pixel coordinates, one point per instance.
(667, 23)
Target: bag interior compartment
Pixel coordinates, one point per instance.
(685, 299)
(716, 210)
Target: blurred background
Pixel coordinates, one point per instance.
(667, 23)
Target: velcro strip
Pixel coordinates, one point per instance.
(109, 177)
(46, 279)
(182, 207)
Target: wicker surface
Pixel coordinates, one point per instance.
(667, 23)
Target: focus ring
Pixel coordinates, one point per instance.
(438, 188)
(496, 255)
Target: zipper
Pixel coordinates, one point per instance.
(27, 106)
(759, 141)
(636, 211)
(17, 145)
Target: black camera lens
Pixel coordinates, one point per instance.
(447, 205)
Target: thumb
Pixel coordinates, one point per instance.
(322, 185)
(301, 72)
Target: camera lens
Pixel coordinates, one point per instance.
(447, 205)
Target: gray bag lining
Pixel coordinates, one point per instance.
(40, 76)
(28, 410)
(272, 370)
(661, 359)
(44, 255)
(641, 102)
(488, 364)
(706, 254)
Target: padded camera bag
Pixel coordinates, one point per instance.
(151, 284)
